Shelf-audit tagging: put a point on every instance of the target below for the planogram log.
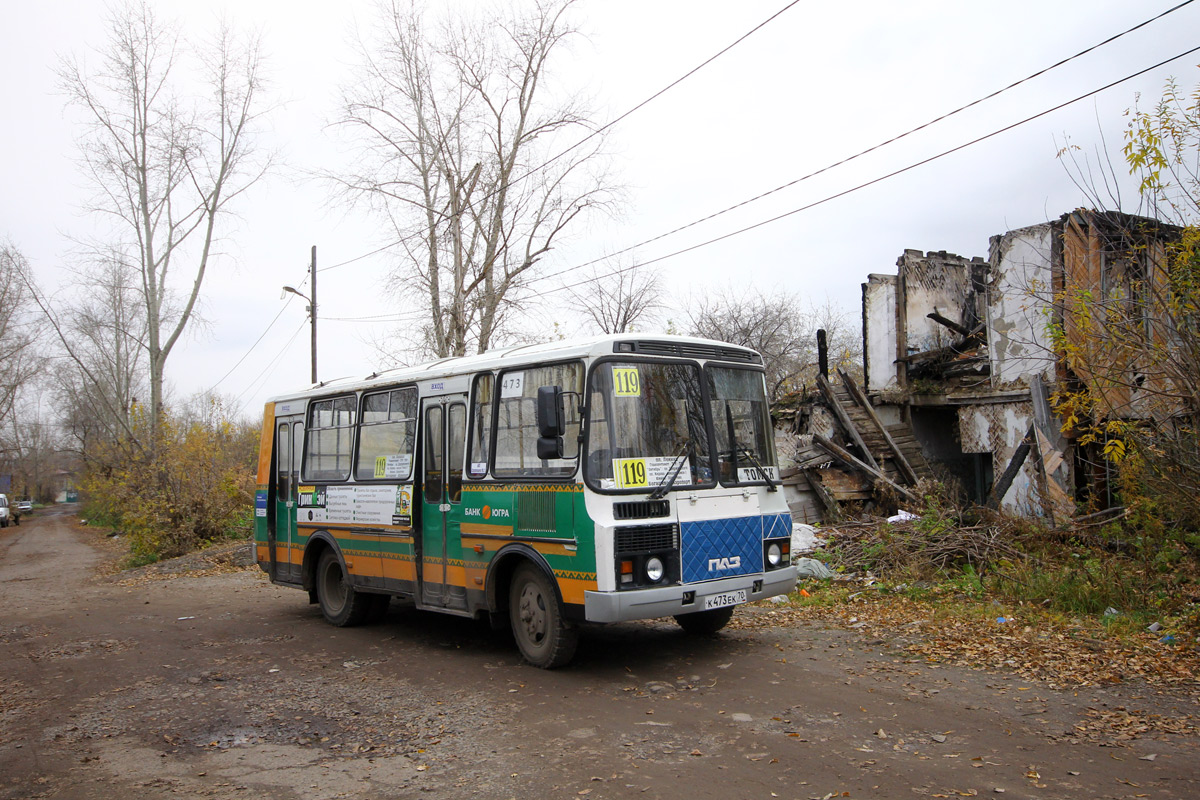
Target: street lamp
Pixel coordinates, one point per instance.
(312, 308)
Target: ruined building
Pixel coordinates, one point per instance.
(960, 364)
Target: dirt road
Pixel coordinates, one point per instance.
(225, 686)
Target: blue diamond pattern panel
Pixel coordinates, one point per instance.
(720, 548)
(777, 526)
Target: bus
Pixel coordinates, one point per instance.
(540, 487)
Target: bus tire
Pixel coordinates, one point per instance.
(545, 639)
(341, 605)
(705, 623)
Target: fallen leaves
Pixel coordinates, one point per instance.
(1034, 646)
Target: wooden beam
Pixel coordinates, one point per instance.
(949, 323)
(846, 458)
(844, 418)
(823, 495)
(909, 473)
(1010, 472)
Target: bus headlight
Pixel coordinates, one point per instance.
(654, 569)
(774, 554)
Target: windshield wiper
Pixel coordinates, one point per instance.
(735, 448)
(665, 485)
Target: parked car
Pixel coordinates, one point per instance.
(6, 515)
(25, 506)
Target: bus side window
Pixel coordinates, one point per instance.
(454, 459)
(283, 462)
(434, 442)
(479, 449)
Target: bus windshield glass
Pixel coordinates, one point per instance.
(646, 427)
(742, 423)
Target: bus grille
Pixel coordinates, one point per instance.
(695, 350)
(646, 539)
(643, 509)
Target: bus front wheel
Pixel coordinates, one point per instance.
(341, 605)
(705, 622)
(544, 638)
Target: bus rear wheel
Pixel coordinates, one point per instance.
(341, 605)
(705, 622)
(544, 638)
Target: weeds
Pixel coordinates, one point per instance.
(1136, 566)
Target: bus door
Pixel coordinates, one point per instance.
(444, 435)
(289, 443)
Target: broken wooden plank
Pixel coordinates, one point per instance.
(847, 423)
(845, 457)
(905, 468)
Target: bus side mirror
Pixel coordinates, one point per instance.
(551, 421)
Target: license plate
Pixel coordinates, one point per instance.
(725, 599)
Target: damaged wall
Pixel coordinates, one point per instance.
(896, 308)
(879, 332)
(1020, 298)
(998, 428)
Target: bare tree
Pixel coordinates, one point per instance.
(166, 166)
(33, 443)
(18, 362)
(781, 329)
(617, 301)
(455, 138)
(103, 334)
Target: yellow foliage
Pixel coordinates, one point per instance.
(192, 486)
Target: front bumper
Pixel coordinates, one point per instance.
(668, 601)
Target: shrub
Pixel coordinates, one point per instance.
(194, 486)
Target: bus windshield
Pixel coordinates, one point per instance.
(742, 422)
(646, 427)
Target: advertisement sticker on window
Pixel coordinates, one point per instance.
(638, 473)
(394, 466)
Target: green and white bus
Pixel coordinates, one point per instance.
(615, 478)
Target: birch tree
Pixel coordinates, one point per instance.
(168, 146)
(455, 134)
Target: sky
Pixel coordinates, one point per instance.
(817, 84)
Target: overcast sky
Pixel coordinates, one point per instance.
(821, 82)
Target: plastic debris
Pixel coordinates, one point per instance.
(804, 538)
(1111, 612)
(1154, 627)
(1168, 639)
(1002, 620)
(902, 516)
(811, 568)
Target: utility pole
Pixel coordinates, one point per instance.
(313, 308)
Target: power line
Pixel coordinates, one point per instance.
(272, 365)
(251, 350)
(872, 182)
(258, 340)
(872, 149)
(599, 130)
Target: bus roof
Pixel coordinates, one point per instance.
(663, 345)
